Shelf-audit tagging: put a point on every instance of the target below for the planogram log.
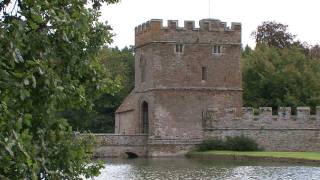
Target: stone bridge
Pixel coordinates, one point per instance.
(115, 145)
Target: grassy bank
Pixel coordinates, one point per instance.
(313, 156)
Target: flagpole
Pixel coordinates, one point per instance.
(209, 9)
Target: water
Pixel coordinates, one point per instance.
(182, 168)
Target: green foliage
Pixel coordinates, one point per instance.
(273, 34)
(280, 77)
(49, 62)
(241, 143)
(246, 51)
(211, 144)
(120, 64)
(237, 143)
(280, 71)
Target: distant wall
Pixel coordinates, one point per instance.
(282, 132)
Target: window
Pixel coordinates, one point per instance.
(216, 49)
(145, 119)
(204, 73)
(143, 74)
(179, 48)
(142, 68)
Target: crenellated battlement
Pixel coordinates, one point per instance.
(155, 31)
(262, 119)
(205, 25)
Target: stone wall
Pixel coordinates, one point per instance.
(172, 82)
(164, 150)
(168, 137)
(275, 139)
(154, 31)
(114, 145)
(159, 66)
(178, 114)
(282, 132)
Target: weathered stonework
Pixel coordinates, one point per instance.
(109, 145)
(188, 88)
(282, 132)
(178, 86)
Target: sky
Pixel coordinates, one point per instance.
(302, 17)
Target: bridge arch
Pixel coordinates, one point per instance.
(131, 155)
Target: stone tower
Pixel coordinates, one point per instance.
(180, 74)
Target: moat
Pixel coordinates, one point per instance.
(183, 168)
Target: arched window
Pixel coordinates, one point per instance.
(145, 118)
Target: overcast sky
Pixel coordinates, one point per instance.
(302, 16)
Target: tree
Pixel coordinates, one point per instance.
(48, 63)
(246, 51)
(280, 71)
(120, 64)
(273, 34)
(315, 52)
(280, 77)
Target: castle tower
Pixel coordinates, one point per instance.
(180, 74)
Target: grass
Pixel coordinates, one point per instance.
(293, 155)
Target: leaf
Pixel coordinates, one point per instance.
(37, 18)
(18, 74)
(60, 88)
(8, 149)
(17, 56)
(34, 83)
(33, 25)
(40, 71)
(24, 94)
(26, 82)
(4, 74)
(27, 119)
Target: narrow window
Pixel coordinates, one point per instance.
(216, 49)
(143, 74)
(179, 48)
(142, 69)
(204, 74)
(145, 119)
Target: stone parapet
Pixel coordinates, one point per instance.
(263, 119)
(115, 145)
(120, 139)
(205, 25)
(209, 31)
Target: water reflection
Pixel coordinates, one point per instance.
(182, 168)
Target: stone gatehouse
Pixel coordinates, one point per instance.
(188, 88)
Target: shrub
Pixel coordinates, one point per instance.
(237, 143)
(240, 143)
(211, 144)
